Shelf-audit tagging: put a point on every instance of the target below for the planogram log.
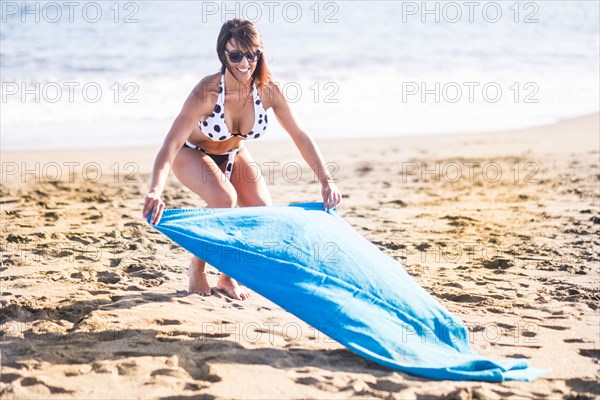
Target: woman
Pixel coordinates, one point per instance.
(204, 146)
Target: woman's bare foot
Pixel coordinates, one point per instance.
(232, 288)
(198, 282)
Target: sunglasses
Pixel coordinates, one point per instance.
(236, 56)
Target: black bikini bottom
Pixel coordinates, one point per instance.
(219, 159)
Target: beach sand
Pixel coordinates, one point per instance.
(501, 227)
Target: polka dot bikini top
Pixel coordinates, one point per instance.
(215, 128)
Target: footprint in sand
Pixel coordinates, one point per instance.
(556, 327)
(9, 378)
(32, 382)
(12, 238)
(592, 353)
(144, 273)
(385, 385)
(107, 277)
(390, 245)
(307, 380)
(498, 263)
(458, 220)
(464, 298)
(364, 169)
(164, 322)
(584, 386)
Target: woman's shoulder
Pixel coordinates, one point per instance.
(269, 92)
(269, 84)
(208, 86)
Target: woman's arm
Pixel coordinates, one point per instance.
(308, 148)
(193, 109)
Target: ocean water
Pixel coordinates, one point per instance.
(108, 73)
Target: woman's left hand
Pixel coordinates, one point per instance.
(331, 195)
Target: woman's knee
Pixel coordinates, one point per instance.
(222, 199)
(259, 200)
(265, 201)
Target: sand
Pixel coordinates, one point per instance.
(501, 227)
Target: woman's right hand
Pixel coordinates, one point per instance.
(153, 203)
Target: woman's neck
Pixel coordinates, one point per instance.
(232, 84)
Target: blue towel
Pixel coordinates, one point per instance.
(317, 267)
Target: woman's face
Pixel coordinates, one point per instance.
(242, 69)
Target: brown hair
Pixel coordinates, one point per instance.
(248, 38)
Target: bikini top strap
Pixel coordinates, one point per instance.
(255, 96)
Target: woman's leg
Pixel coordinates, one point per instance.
(201, 174)
(248, 182)
(251, 191)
